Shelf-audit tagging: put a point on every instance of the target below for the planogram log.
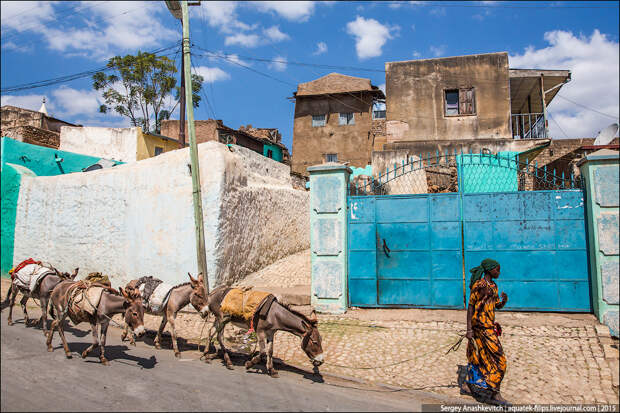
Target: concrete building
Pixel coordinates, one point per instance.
(266, 141)
(334, 121)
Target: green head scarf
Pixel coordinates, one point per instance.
(477, 272)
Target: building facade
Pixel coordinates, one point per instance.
(29, 126)
(334, 121)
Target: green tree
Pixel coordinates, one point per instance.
(139, 87)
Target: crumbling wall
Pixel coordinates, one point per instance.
(137, 219)
(119, 144)
(33, 135)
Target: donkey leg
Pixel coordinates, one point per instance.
(272, 372)
(23, 302)
(175, 345)
(61, 333)
(220, 339)
(104, 331)
(11, 304)
(93, 329)
(260, 335)
(43, 320)
(164, 320)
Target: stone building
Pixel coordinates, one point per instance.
(29, 126)
(334, 121)
(266, 141)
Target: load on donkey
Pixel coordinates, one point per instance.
(159, 298)
(36, 280)
(95, 303)
(262, 312)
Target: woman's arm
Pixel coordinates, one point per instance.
(470, 312)
(502, 303)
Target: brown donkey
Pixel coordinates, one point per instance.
(278, 317)
(109, 304)
(42, 293)
(193, 293)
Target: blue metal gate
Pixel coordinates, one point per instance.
(415, 250)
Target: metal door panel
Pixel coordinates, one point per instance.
(405, 292)
(447, 293)
(446, 236)
(445, 207)
(362, 292)
(571, 265)
(478, 236)
(534, 295)
(568, 204)
(574, 295)
(447, 265)
(362, 264)
(396, 208)
(362, 237)
(404, 264)
(571, 234)
(403, 236)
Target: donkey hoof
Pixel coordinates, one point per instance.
(229, 367)
(248, 365)
(84, 354)
(50, 349)
(9, 322)
(105, 362)
(69, 356)
(157, 346)
(177, 354)
(274, 374)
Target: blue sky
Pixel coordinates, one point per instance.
(44, 40)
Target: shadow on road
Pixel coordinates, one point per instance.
(113, 353)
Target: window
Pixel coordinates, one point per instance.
(331, 157)
(159, 150)
(226, 138)
(318, 120)
(269, 153)
(378, 114)
(346, 119)
(460, 102)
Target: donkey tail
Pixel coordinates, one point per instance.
(5, 302)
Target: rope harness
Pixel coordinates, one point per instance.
(85, 285)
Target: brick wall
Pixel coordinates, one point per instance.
(206, 130)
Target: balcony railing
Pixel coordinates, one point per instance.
(528, 126)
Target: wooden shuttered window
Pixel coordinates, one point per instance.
(467, 101)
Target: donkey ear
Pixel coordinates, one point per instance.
(313, 318)
(201, 278)
(123, 292)
(192, 279)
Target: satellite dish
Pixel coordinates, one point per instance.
(606, 135)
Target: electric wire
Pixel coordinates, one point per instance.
(586, 107)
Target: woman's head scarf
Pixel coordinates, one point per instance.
(477, 272)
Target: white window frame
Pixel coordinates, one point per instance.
(346, 118)
(319, 120)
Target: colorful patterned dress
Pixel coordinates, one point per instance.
(485, 352)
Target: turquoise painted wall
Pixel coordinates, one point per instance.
(361, 171)
(276, 150)
(42, 160)
(16, 160)
(488, 173)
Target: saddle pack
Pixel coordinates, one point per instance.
(84, 298)
(248, 305)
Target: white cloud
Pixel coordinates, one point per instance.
(370, 36)
(107, 28)
(321, 47)
(298, 11)
(25, 15)
(212, 74)
(223, 16)
(76, 102)
(247, 40)
(593, 62)
(438, 51)
(279, 65)
(416, 53)
(438, 11)
(275, 35)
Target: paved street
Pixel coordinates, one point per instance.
(142, 378)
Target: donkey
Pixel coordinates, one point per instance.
(110, 303)
(42, 293)
(279, 317)
(193, 293)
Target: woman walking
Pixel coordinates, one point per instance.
(485, 356)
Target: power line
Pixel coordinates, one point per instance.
(558, 125)
(251, 69)
(68, 78)
(490, 6)
(588, 108)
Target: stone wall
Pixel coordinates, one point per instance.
(33, 135)
(12, 116)
(137, 219)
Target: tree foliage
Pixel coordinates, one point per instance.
(140, 88)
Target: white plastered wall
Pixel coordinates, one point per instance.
(137, 219)
(120, 144)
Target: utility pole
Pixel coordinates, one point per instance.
(173, 6)
(182, 107)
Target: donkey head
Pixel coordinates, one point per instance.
(134, 311)
(311, 341)
(199, 298)
(66, 275)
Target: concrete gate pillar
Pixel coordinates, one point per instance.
(600, 173)
(328, 236)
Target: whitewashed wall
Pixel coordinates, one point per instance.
(137, 219)
(120, 144)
